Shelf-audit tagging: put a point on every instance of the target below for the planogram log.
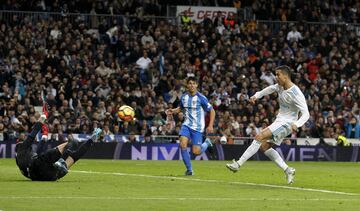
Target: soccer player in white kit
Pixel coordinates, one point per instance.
(291, 102)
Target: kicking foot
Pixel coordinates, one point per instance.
(290, 174)
(96, 133)
(234, 166)
(189, 173)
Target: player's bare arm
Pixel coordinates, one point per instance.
(210, 128)
(252, 99)
(171, 111)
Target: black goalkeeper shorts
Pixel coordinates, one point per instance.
(42, 167)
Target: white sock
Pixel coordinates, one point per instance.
(250, 151)
(274, 156)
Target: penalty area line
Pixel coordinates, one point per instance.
(217, 181)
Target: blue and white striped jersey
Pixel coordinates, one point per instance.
(194, 109)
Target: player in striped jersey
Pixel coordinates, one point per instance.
(292, 102)
(194, 106)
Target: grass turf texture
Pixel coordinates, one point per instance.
(159, 185)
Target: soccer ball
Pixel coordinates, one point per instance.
(126, 113)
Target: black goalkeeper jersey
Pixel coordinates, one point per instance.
(24, 157)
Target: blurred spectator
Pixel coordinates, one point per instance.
(218, 20)
(103, 70)
(268, 77)
(342, 141)
(143, 64)
(251, 130)
(229, 21)
(185, 21)
(147, 39)
(144, 61)
(352, 128)
(294, 35)
(287, 142)
(3, 132)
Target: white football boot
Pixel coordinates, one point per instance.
(290, 174)
(234, 166)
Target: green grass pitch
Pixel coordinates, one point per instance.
(159, 185)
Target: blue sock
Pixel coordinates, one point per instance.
(186, 158)
(204, 146)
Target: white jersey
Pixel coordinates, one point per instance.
(291, 101)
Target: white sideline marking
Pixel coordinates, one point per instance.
(217, 181)
(169, 198)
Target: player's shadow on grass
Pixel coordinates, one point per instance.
(177, 175)
(25, 180)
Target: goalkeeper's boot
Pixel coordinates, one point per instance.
(96, 134)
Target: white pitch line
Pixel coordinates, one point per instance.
(169, 198)
(218, 181)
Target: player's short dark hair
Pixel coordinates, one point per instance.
(285, 70)
(191, 78)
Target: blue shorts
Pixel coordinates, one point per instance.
(193, 135)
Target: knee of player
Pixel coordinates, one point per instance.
(183, 145)
(259, 137)
(196, 151)
(264, 147)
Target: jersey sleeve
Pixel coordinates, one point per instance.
(205, 104)
(300, 103)
(268, 90)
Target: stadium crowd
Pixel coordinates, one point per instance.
(88, 68)
(285, 10)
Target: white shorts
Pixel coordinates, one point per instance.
(279, 130)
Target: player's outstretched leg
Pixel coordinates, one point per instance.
(83, 148)
(35, 130)
(71, 146)
(275, 156)
(70, 155)
(250, 151)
